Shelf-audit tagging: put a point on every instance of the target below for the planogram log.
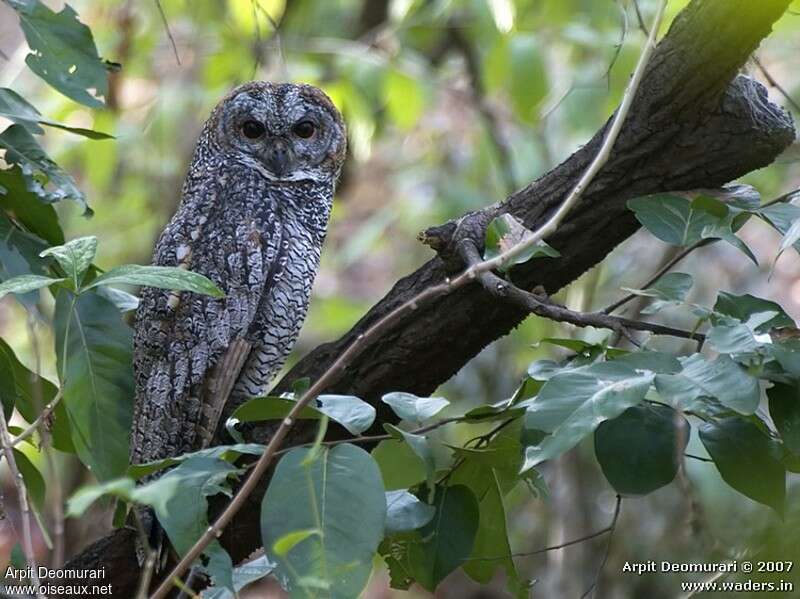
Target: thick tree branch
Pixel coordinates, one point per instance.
(693, 124)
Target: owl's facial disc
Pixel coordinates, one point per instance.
(285, 132)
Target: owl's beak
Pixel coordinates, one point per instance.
(279, 157)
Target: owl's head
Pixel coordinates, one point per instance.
(288, 132)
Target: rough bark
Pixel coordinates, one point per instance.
(694, 123)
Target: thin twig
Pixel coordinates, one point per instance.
(149, 560)
(167, 29)
(588, 537)
(22, 494)
(46, 442)
(697, 457)
(702, 243)
(607, 550)
(547, 309)
(41, 419)
(642, 24)
(449, 285)
(771, 80)
(617, 46)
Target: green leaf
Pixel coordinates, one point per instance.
(75, 257)
(405, 512)
(409, 407)
(84, 497)
(229, 453)
(93, 349)
(179, 499)
(447, 540)
(340, 494)
(784, 409)
(243, 575)
(491, 540)
(18, 110)
(400, 466)
(722, 379)
(503, 233)
(753, 311)
(674, 219)
(639, 449)
(351, 412)
(36, 216)
(650, 361)
(26, 283)
(19, 255)
(42, 176)
(671, 287)
(732, 339)
(747, 459)
(22, 389)
(573, 405)
(783, 217)
(288, 541)
(63, 52)
(34, 481)
(164, 277)
(419, 445)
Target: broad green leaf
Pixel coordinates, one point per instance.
(36, 216)
(351, 412)
(18, 110)
(747, 459)
(22, 389)
(26, 283)
(93, 349)
(340, 494)
(34, 481)
(405, 512)
(784, 409)
(529, 83)
(674, 219)
(447, 540)
(19, 255)
(229, 453)
(243, 575)
(419, 445)
(571, 406)
(164, 277)
(409, 407)
(63, 52)
(491, 540)
(42, 176)
(650, 361)
(589, 386)
(179, 499)
(503, 233)
(732, 339)
(288, 541)
(639, 450)
(400, 467)
(783, 217)
(503, 13)
(75, 257)
(753, 311)
(84, 497)
(672, 287)
(722, 379)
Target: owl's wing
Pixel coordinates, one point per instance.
(190, 348)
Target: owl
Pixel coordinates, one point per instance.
(253, 216)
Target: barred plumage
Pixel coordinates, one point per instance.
(253, 217)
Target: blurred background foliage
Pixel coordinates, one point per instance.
(450, 105)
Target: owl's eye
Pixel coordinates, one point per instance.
(304, 129)
(253, 129)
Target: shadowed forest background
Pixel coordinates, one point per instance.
(450, 105)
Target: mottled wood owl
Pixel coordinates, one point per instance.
(252, 218)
